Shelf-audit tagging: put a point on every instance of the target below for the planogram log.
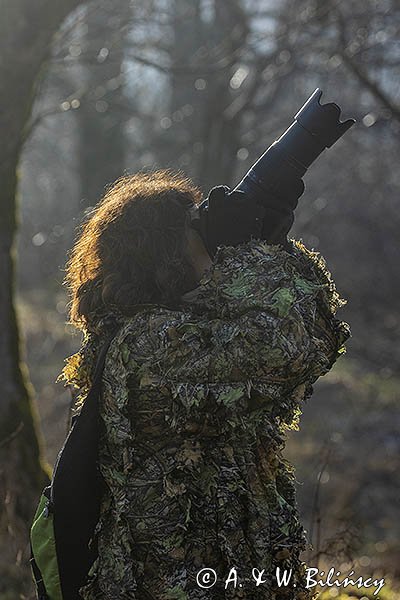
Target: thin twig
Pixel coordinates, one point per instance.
(12, 435)
(315, 511)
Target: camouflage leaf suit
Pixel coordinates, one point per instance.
(195, 403)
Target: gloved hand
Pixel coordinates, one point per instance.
(232, 217)
(228, 218)
(279, 211)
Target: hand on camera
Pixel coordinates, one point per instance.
(228, 219)
(279, 211)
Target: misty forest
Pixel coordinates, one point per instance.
(93, 90)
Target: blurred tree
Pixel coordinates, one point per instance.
(365, 37)
(207, 85)
(207, 42)
(223, 63)
(101, 122)
(26, 31)
(355, 50)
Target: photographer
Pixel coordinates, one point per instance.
(222, 330)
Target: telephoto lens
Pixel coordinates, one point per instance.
(315, 128)
(274, 181)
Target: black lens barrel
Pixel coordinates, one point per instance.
(315, 128)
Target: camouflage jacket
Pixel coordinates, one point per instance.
(195, 404)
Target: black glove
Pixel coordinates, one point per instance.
(279, 210)
(228, 218)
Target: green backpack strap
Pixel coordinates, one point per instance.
(69, 508)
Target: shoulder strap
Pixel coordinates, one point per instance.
(77, 489)
(94, 391)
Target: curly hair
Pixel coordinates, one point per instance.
(131, 248)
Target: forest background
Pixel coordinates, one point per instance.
(92, 90)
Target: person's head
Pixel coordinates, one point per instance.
(136, 246)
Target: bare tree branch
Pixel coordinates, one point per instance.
(371, 85)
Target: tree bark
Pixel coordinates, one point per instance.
(26, 31)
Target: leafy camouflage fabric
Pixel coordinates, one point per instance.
(195, 404)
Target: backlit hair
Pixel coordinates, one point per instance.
(130, 249)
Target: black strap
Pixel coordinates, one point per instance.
(40, 589)
(94, 391)
(76, 493)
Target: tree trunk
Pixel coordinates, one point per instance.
(101, 121)
(26, 31)
(204, 87)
